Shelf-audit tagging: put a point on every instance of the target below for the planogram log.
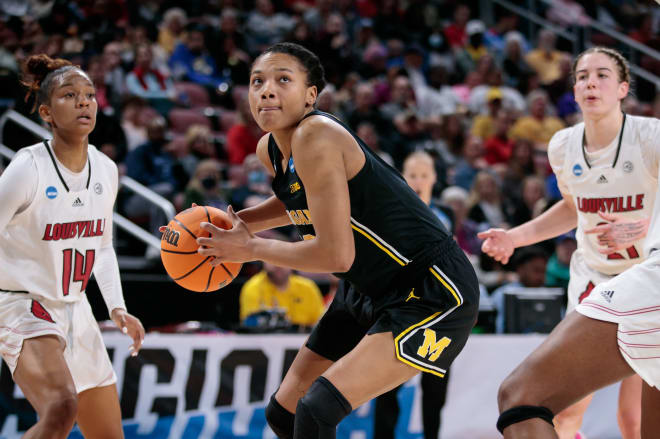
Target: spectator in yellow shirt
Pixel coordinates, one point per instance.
(278, 288)
(545, 59)
(537, 126)
(484, 124)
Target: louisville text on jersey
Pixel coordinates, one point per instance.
(611, 204)
(75, 229)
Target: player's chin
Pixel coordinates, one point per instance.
(274, 120)
(83, 129)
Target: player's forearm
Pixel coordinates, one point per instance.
(311, 255)
(559, 219)
(266, 215)
(106, 271)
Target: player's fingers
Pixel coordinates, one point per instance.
(486, 234)
(206, 251)
(211, 228)
(599, 229)
(215, 262)
(193, 205)
(205, 242)
(606, 216)
(232, 214)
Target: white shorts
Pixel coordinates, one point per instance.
(632, 299)
(23, 316)
(582, 280)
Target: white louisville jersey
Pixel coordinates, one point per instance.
(623, 185)
(49, 248)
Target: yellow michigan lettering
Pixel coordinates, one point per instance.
(300, 217)
(430, 346)
(294, 217)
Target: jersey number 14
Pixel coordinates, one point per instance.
(78, 266)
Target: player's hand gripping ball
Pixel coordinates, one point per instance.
(178, 251)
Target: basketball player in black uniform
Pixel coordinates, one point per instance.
(409, 296)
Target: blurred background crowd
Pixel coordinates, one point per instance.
(482, 96)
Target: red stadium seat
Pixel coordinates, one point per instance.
(183, 118)
(197, 95)
(227, 119)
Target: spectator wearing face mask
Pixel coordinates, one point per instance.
(474, 49)
(205, 188)
(256, 185)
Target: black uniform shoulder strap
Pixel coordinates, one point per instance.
(273, 153)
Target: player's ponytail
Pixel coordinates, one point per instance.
(38, 73)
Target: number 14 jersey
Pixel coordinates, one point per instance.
(49, 247)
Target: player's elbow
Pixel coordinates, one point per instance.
(343, 258)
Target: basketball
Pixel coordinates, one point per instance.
(178, 251)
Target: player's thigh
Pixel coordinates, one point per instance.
(99, 414)
(580, 356)
(369, 370)
(42, 372)
(306, 367)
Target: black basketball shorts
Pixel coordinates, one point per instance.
(430, 317)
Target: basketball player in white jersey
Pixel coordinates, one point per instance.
(607, 169)
(55, 231)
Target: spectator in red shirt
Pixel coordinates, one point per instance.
(455, 32)
(498, 148)
(243, 136)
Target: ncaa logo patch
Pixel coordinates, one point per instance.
(291, 167)
(98, 188)
(51, 192)
(627, 166)
(577, 170)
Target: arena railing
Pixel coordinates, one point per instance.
(578, 36)
(124, 181)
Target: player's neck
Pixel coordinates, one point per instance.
(283, 140)
(600, 132)
(70, 151)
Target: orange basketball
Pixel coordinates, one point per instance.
(178, 251)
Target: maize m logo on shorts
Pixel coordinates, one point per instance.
(432, 347)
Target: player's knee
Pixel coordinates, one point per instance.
(60, 415)
(322, 405)
(279, 419)
(509, 395)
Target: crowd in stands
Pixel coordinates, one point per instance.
(483, 101)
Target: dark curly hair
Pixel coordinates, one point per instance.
(309, 61)
(38, 73)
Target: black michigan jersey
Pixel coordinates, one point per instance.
(391, 225)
